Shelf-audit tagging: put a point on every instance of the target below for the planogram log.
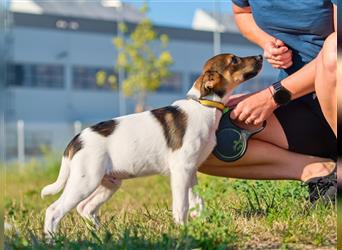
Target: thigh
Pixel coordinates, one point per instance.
(262, 160)
(258, 152)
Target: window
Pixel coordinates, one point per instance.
(36, 75)
(15, 75)
(173, 83)
(88, 78)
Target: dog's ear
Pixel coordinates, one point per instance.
(211, 80)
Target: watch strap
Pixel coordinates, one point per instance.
(277, 86)
(278, 89)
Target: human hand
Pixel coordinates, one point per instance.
(255, 109)
(278, 54)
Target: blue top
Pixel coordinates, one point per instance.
(302, 25)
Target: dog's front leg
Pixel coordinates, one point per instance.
(180, 183)
(196, 203)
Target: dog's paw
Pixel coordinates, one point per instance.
(196, 208)
(179, 220)
(195, 214)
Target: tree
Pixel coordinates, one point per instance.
(144, 58)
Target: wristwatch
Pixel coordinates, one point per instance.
(281, 95)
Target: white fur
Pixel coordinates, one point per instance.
(137, 147)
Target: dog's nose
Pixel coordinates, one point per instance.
(259, 57)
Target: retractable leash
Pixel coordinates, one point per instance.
(232, 141)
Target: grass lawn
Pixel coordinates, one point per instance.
(239, 215)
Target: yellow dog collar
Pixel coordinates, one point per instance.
(214, 104)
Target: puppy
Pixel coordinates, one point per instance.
(173, 140)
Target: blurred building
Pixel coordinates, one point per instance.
(56, 49)
(210, 21)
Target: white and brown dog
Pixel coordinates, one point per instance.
(173, 140)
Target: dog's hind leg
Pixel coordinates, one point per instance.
(196, 203)
(86, 174)
(89, 207)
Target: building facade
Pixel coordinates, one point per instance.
(54, 58)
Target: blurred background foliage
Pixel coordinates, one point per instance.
(143, 57)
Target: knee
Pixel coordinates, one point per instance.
(89, 210)
(329, 54)
(79, 208)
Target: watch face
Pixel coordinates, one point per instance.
(282, 96)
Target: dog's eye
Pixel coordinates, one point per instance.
(234, 60)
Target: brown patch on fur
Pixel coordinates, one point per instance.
(174, 123)
(211, 82)
(105, 128)
(73, 147)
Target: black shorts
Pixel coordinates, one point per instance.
(306, 129)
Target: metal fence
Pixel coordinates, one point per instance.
(25, 140)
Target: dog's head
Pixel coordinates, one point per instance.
(222, 73)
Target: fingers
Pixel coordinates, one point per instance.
(250, 120)
(237, 114)
(246, 118)
(244, 114)
(257, 121)
(279, 43)
(281, 61)
(276, 47)
(287, 65)
(278, 51)
(280, 64)
(240, 114)
(278, 54)
(283, 57)
(254, 109)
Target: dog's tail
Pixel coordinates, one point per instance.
(59, 184)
